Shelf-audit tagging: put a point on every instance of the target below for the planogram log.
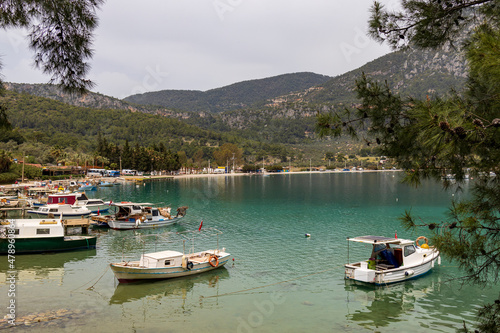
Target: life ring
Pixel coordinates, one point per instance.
(216, 261)
(189, 265)
(424, 238)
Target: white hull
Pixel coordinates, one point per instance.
(37, 214)
(132, 271)
(101, 208)
(155, 223)
(386, 276)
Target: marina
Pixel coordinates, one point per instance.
(279, 279)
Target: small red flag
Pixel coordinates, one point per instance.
(98, 211)
(201, 224)
(396, 235)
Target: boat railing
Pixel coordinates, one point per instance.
(166, 238)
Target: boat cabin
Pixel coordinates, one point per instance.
(161, 259)
(129, 209)
(68, 198)
(31, 228)
(390, 253)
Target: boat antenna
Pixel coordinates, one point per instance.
(348, 261)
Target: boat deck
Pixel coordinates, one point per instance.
(378, 266)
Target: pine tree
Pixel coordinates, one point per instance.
(457, 134)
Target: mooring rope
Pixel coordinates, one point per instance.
(271, 284)
(92, 286)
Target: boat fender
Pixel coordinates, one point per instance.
(409, 272)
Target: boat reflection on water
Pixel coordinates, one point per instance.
(382, 305)
(434, 299)
(176, 288)
(43, 266)
(129, 242)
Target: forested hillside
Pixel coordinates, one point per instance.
(236, 96)
(413, 72)
(40, 124)
(273, 117)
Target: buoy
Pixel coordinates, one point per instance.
(308, 235)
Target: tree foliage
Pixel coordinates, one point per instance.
(227, 153)
(60, 34)
(457, 134)
(430, 23)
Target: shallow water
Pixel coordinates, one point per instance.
(279, 279)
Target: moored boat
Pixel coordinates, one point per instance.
(79, 199)
(169, 264)
(21, 236)
(59, 210)
(392, 260)
(141, 215)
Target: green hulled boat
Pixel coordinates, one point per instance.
(21, 236)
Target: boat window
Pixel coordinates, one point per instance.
(167, 262)
(43, 231)
(54, 210)
(155, 213)
(16, 231)
(409, 250)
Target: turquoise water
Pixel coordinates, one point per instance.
(279, 281)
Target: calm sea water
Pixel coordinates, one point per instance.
(279, 281)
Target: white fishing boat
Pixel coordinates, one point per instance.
(392, 260)
(79, 199)
(140, 216)
(170, 264)
(67, 211)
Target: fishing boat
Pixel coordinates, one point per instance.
(21, 236)
(65, 210)
(392, 260)
(104, 183)
(87, 187)
(8, 203)
(79, 199)
(140, 216)
(170, 264)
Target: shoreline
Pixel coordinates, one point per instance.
(138, 179)
(213, 175)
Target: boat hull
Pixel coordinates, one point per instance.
(49, 244)
(383, 277)
(42, 215)
(102, 208)
(133, 224)
(127, 274)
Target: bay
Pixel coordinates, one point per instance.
(279, 280)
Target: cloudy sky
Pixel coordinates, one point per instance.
(153, 45)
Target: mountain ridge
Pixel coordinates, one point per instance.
(234, 96)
